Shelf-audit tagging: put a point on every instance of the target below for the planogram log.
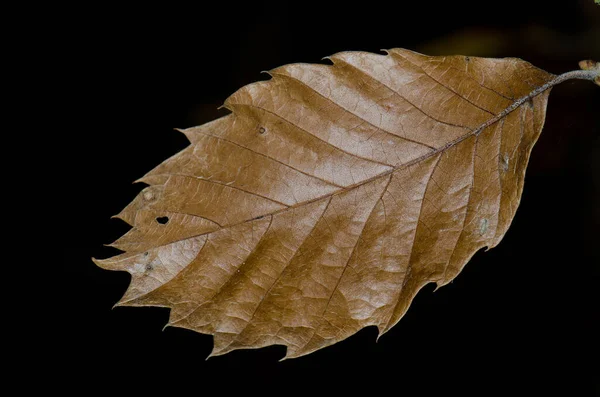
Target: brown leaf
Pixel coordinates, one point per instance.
(331, 195)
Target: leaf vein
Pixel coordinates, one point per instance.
(352, 113)
(262, 300)
(350, 257)
(412, 245)
(269, 157)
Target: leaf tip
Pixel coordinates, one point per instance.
(111, 245)
(295, 353)
(188, 132)
(113, 263)
(124, 216)
(284, 358)
(291, 354)
(216, 352)
(102, 263)
(382, 330)
(147, 179)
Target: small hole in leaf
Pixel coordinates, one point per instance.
(262, 130)
(163, 220)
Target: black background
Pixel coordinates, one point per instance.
(520, 319)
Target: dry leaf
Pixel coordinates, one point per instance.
(331, 195)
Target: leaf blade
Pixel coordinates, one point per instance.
(413, 162)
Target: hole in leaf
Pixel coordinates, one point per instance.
(163, 220)
(262, 130)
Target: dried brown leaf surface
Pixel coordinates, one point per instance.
(331, 195)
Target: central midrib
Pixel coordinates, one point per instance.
(477, 131)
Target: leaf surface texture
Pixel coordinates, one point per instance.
(331, 195)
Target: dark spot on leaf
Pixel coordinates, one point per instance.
(149, 267)
(163, 220)
(467, 59)
(262, 130)
(146, 253)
